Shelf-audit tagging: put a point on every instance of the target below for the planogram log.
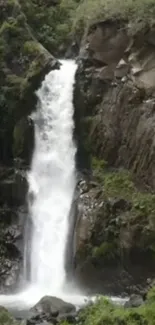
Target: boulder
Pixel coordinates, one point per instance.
(134, 301)
(53, 306)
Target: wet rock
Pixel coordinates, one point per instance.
(122, 69)
(13, 189)
(23, 139)
(11, 236)
(134, 301)
(71, 318)
(53, 306)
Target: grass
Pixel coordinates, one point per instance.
(103, 312)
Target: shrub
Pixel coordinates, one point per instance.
(103, 312)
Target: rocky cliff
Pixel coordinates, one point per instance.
(114, 112)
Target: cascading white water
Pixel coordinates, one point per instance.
(52, 179)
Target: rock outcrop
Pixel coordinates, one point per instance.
(114, 117)
(114, 97)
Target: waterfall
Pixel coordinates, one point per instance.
(52, 179)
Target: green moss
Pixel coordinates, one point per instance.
(98, 165)
(144, 204)
(106, 251)
(119, 184)
(31, 47)
(116, 183)
(151, 295)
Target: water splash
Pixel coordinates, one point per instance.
(52, 179)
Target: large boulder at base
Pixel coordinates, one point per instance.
(53, 306)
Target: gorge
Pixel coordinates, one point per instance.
(77, 139)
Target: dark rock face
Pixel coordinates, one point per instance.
(114, 119)
(112, 254)
(11, 232)
(114, 98)
(23, 139)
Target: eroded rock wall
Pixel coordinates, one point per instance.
(115, 122)
(115, 97)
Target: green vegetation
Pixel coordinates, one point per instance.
(119, 184)
(22, 60)
(103, 312)
(125, 211)
(108, 251)
(6, 318)
(138, 12)
(51, 24)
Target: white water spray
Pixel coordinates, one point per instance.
(52, 182)
(52, 179)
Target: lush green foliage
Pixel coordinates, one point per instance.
(52, 24)
(103, 312)
(120, 184)
(138, 12)
(22, 59)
